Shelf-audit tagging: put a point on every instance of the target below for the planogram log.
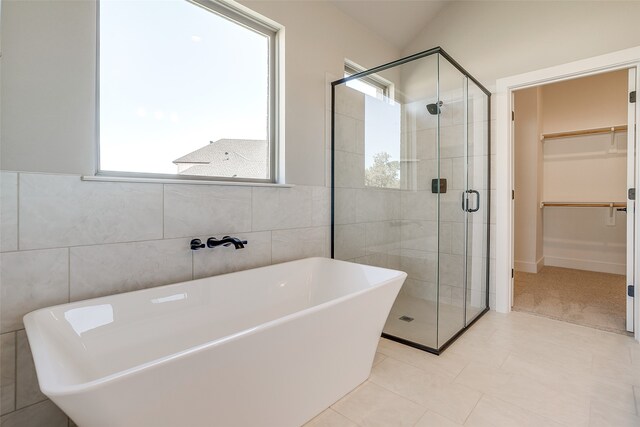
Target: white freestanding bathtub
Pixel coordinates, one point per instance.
(268, 347)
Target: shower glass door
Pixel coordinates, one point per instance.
(463, 157)
(410, 162)
(452, 218)
(477, 215)
(414, 315)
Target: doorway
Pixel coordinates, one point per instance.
(505, 88)
(573, 164)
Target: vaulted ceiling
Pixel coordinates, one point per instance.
(397, 21)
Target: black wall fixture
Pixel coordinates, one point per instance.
(197, 244)
(439, 185)
(434, 109)
(212, 242)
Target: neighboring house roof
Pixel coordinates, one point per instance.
(244, 158)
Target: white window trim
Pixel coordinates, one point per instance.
(246, 17)
(154, 180)
(374, 80)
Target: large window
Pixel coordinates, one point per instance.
(187, 89)
(382, 129)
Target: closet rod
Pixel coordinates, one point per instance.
(584, 204)
(597, 131)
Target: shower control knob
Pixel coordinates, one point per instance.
(197, 244)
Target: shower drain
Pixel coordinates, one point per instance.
(406, 318)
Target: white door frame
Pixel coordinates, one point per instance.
(504, 157)
(631, 204)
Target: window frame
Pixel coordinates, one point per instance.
(351, 68)
(251, 21)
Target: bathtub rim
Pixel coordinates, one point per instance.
(52, 389)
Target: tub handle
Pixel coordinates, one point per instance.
(197, 244)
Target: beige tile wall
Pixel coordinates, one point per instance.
(368, 227)
(63, 239)
(62, 210)
(401, 225)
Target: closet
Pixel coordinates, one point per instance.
(571, 198)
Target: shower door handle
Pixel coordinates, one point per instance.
(477, 200)
(465, 201)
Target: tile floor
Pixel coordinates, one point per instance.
(515, 370)
(426, 328)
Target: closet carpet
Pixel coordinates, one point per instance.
(582, 297)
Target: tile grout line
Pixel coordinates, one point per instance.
(68, 274)
(391, 391)
(509, 354)
(368, 381)
(251, 211)
(15, 371)
(48, 248)
(163, 234)
(149, 240)
(474, 407)
(423, 414)
(462, 370)
(338, 412)
(18, 177)
(163, 209)
(526, 410)
(31, 405)
(270, 248)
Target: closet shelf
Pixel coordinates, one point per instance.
(584, 204)
(597, 131)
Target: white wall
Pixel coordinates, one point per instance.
(576, 169)
(528, 167)
(48, 86)
(585, 168)
(586, 103)
(578, 238)
(65, 239)
(48, 82)
(494, 39)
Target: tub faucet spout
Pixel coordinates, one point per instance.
(212, 242)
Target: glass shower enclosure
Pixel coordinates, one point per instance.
(410, 190)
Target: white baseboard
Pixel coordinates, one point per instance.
(529, 267)
(588, 265)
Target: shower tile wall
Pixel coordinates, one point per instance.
(368, 228)
(419, 244)
(398, 228)
(63, 239)
(419, 204)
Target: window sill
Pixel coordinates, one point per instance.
(106, 178)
